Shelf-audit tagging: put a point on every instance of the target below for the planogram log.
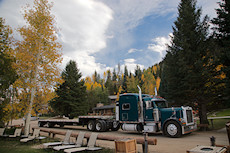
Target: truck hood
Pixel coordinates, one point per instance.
(167, 113)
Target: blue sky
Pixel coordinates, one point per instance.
(99, 34)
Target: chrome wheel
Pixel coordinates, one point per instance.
(98, 126)
(91, 125)
(172, 129)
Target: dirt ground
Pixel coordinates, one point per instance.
(164, 144)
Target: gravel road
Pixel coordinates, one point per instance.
(164, 144)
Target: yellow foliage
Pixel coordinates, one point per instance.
(37, 56)
(149, 82)
(222, 75)
(158, 82)
(91, 85)
(118, 93)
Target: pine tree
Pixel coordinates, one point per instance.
(132, 83)
(71, 94)
(124, 83)
(184, 77)
(7, 73)
(114, 79)
(138, 75)
(109, 83)
(222, 35)
(96, 77)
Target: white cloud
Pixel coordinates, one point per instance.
(85, 63)
(131, 65)
(208, 7)
(82, 31)
(132, 50)
(129, 13)
(159, 44)
(83, 24)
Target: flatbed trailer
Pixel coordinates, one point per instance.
(94, 123)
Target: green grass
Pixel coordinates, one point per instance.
(219, 123)
(225, 112)
(9, 146)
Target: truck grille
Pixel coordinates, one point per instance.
(189, 116)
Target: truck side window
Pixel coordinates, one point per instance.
(149, 104)
(126, 106)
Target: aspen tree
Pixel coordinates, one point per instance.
(37, 54)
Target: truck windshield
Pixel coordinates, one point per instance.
(161, 104)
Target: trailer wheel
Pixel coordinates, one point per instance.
(100, 125)
(106, 126)
(172, 129)
(91, 125)
(40, 124)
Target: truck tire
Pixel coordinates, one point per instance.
(91, 125)
(100, 125)
(50, 125)
(172, 129)
(115, 126)
(40, 124)
(106, 125)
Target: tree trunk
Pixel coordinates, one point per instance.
(33, 82)
(203, 113)
(27, 124)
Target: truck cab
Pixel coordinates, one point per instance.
(151, 114)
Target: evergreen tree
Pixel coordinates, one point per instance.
(124, 83)
(7, 73)
(132, 83)
(95, 96)
(115, 83)
(71, 94)
(184, 75)
(222, 35)
(109, 83)
(138, 75)
(96, 77)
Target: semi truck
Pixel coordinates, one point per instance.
(138, 112)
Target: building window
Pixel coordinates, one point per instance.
(126, 106)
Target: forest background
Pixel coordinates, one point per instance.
(194, 72)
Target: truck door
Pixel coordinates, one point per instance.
(148, 110)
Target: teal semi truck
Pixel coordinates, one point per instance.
(138, 112)
(151, 115)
